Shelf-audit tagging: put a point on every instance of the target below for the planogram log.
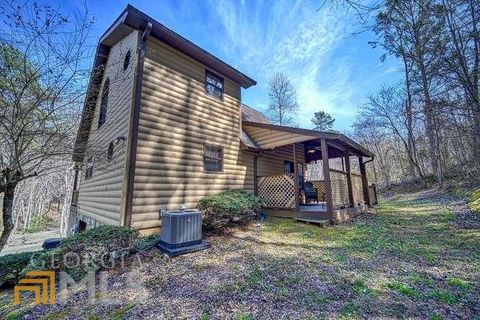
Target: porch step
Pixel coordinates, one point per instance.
(321, 222)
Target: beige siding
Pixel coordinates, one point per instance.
(177, 117)
(101, 196)
(271, 163)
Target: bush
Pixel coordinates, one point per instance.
(88, 251)
(226, 207)
(475, 201)
(11, 267)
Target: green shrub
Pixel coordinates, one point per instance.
(475, 201)
(146, 243)
(226, 207)
(11, 267)
(88, 251)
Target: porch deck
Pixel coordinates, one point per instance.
(338, 215)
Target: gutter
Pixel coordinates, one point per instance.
(371, 159)
(126, 214)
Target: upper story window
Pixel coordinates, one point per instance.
(103, 103)
(89, 168)
(213, 85)
(111, 149)
(126, 61)
(212, 158)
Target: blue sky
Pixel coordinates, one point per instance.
(331, 70)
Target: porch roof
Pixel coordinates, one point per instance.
(269, 136)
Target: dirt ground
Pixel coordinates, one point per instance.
(413, 258)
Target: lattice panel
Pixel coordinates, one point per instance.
(357, 188)
(320, 186)
(277, 191)
(339, 188)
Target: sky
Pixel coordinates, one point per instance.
(313, 45)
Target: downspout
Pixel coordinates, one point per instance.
(133, 130)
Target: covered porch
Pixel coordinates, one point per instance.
(323, 176)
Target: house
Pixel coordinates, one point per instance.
(163, 125)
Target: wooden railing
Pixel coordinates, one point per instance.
(339, 188)
(277, 191)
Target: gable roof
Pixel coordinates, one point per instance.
(133, 19)
(136, 19)
(252, 115)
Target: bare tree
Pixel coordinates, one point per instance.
(43, 79)
(387, 110)
(283, 100)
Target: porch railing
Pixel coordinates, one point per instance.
(339, 188)
(277, 191)
(357, 188)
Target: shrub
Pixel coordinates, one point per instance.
(226, 207)
(88, 251)
(11, 267)
(475, 201)
(146, 243)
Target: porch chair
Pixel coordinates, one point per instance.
(310, 192)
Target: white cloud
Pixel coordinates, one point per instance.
(294, 38)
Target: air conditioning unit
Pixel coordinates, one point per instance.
(181, 232)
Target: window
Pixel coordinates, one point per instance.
(110, 151)
(213, 85)
(300, 174)
(212, 158)
(89, 168)
(288, 167)
(103, 103)
(126, 61)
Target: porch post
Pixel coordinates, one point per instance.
(255, 174)
(295, 175)
(326, 176)
(349, 179)
(363, 172)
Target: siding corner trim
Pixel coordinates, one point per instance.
(126, 212)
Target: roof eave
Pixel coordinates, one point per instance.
(137, 19)
(316, 134)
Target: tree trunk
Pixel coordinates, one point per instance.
(8, 197)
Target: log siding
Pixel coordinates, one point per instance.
(177, 117)
(100, 196)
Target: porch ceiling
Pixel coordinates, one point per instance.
(268, 136)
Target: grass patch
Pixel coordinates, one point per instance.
(404, 289)
(245, 316)
(445, 296)
(350, 309)
(13, 316)
(119, 314)
(61, 314)
(254, 277)
(474, 203)
(457, 282)
(360, 287)
(312, 297)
